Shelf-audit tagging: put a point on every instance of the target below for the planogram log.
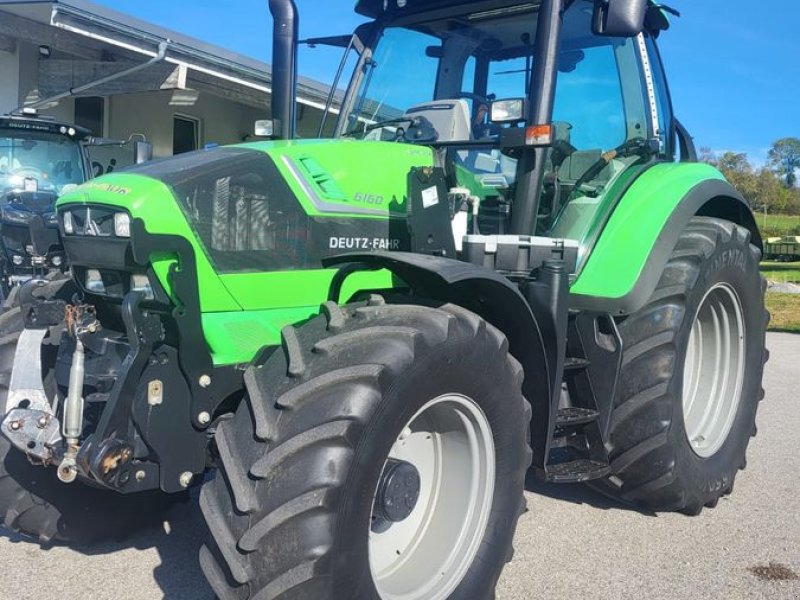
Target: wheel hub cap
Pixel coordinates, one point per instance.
(398, 491)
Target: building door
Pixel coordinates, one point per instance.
(185, 134)
(90, 113)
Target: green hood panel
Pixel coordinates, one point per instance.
(347, 177)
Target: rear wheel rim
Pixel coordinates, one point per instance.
(714, 370)
(427, 555)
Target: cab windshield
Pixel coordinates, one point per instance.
(433, 81)
(439, 60)
(36, 161)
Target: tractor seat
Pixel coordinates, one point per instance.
(450, 118)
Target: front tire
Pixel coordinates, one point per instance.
(294, 508)
(690, 383)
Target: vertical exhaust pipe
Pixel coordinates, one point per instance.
(284, 67)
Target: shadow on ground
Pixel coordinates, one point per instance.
(183, 531)
(578, 493)
(177, 540)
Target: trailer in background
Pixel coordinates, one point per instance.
(782, 249)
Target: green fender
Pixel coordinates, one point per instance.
(632, 251)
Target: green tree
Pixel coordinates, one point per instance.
(738, 170)
(784, 156)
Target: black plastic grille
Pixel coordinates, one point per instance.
(91, 221)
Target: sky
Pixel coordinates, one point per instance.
(733, 65)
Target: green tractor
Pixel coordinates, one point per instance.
(507, 260)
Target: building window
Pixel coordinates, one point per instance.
(185, 134)
(90, 113)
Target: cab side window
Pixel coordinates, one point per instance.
(590, 96)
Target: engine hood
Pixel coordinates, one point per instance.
(271, 209)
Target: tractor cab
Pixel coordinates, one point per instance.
(471, 81)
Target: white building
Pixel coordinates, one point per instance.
(195, 95)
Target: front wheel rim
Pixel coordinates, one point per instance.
(427, 555)
(714, 370)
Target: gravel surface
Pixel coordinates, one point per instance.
(571, 544)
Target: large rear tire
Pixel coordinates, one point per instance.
(36, 505)
(690, 384)
(296, 511)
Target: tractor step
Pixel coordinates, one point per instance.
(577, 471)
(571, 417)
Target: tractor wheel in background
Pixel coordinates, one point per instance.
(35, 504)
(381, 455)
(693, 360)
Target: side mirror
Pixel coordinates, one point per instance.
(142, 152)
(265, 128)
(619, 18)
(508, 111)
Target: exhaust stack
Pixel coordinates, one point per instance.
(284, 67)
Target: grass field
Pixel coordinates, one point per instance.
(782, 272)
(785, 311)
(778, 225)
(785, 308)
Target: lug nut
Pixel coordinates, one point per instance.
(204, 381)
(15, 425)
(186, 479)
(42, 422)
(140, 475)
(204, 418)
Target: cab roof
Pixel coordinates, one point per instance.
(657, 18)
(377, 8)
(44, 125)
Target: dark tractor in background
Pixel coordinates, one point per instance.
(40, 159)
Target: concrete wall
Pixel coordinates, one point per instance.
(221, 121)
(9, 81)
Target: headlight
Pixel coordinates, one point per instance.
(94, 282)
(122, 224)
(141, 283)
(69, 223)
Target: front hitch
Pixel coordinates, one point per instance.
(30, 423)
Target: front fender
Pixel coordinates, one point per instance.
(626, 264)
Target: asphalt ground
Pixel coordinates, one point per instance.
(571, 544)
